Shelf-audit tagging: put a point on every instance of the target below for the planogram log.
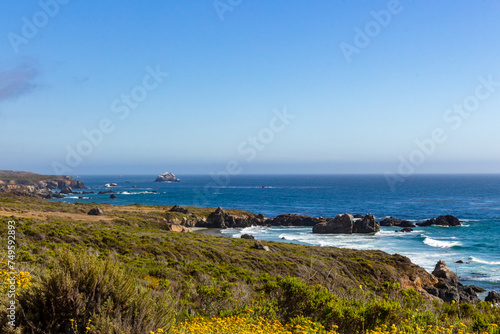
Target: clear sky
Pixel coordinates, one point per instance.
(323, 86)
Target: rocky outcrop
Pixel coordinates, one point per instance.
(293, 220)
(341, 224)
(406, 223)
(95, 212)
(187, 218)
(112, 196)
(367, 224)
(26, 183)
(406, 230)
(66, 190)
(180, 209)
(167, 177)
(177, 228)
(447, 220)
(247, 236)
(222, 219)
(442, 271)
(391, 221)
(493, 297)
(448, 288)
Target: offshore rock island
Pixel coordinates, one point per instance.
(167, 177)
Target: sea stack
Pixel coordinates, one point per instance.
(167, 177)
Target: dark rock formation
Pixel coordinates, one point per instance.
(247, 236)
(222, 219)
(66, 190)
(406, 230)
(47, 195)
(180, 209)
(476, 288)
(340, 224)
(367, 224)
(449, 288)
(390, 221)
(493, 297)
(95, 212)
(447, 220)
(406, 223)
(293, 220)
(442, 271)
(113, 196)
(167, 177)
(357, 215)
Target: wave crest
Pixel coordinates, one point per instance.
(441, 243)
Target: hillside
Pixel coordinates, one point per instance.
(204, 275)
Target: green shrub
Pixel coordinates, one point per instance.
(95, 293)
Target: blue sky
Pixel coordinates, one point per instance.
(235, 68)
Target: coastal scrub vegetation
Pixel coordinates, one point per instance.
(125, 273)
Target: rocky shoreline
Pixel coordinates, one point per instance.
(444, 284)
(340, 224)
(31, 184)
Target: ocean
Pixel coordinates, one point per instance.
(474, 199)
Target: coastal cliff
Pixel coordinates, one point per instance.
(35, 184)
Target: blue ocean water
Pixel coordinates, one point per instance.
(474, 199)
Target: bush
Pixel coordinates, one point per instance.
(83, 291)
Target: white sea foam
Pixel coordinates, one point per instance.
(441, 243)
(137, 193)
(475, 259)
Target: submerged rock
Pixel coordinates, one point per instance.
(406, 230)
